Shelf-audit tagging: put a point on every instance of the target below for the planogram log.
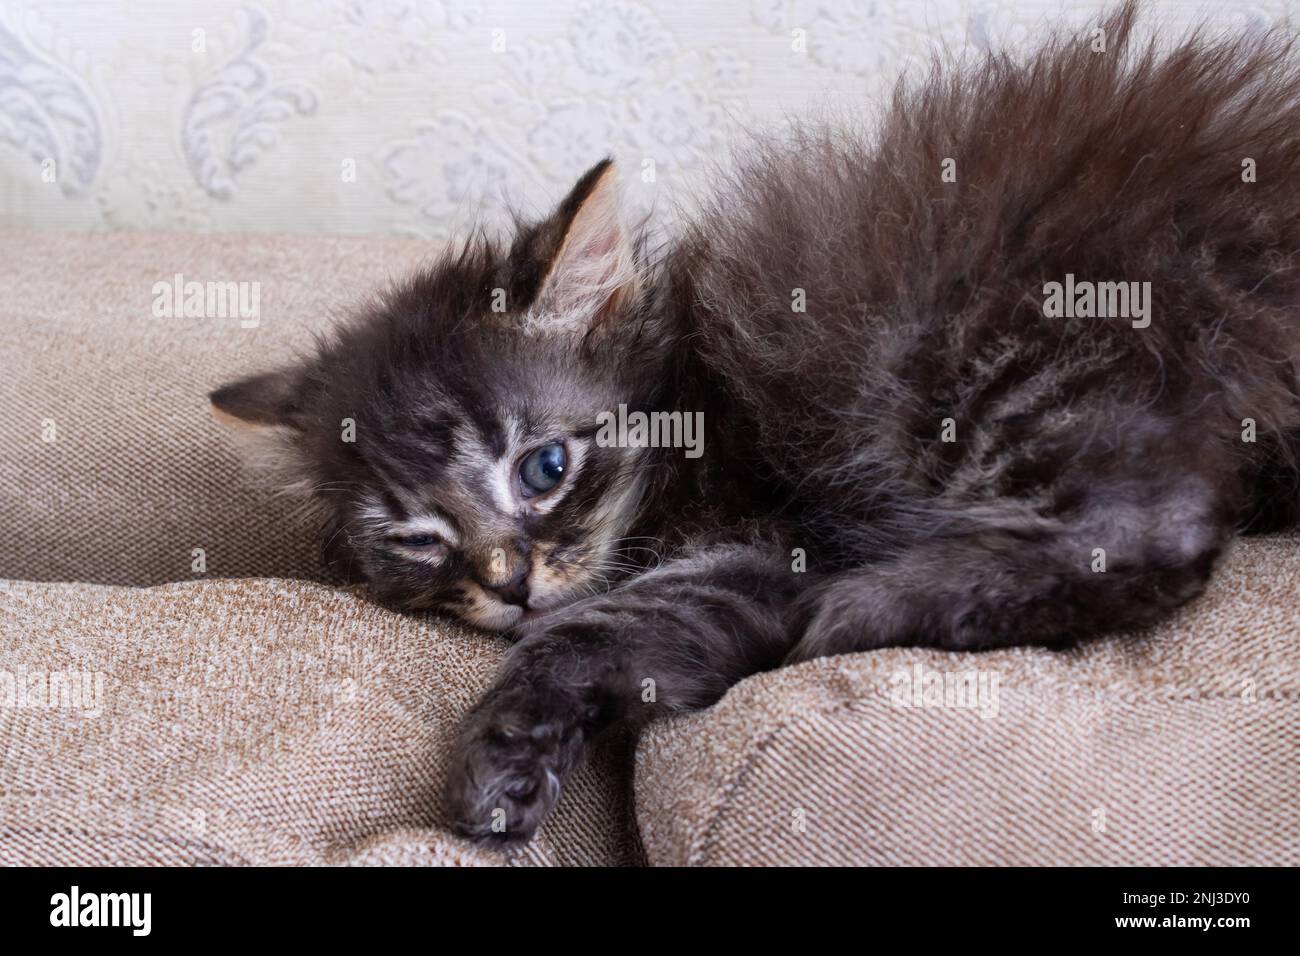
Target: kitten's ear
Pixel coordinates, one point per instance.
(583, 256)
(268, 400)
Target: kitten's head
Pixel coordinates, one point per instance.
(447, 437)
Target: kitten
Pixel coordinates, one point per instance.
(905, 441)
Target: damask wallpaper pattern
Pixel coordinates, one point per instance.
(421, 116)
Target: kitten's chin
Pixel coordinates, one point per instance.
(494, 617)
(502, 617)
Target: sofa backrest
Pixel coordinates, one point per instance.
(112, 468)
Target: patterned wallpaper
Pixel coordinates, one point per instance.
(416, 116)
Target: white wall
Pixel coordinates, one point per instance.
(183, 114)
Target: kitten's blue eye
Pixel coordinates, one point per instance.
(417, 540)
(543, 469)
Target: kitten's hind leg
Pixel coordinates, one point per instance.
(1122, 556)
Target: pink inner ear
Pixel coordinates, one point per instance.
(602, 243)
(594, 271)
(604, 249)
(596, 229)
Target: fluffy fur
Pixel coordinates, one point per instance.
(829, 513)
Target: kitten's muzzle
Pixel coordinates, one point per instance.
(514, 591)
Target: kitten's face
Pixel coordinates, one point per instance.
(490, 499)
(491, 506)
(448, 438)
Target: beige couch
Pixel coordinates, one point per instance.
(246, 714)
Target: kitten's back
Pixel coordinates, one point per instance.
(924, 298)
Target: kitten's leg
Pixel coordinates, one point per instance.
(1126, 556)
(673, 639)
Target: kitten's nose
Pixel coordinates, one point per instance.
(514, 591)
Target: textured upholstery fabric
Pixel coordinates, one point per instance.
(251, 721)
(139, 474)
(1176, 747)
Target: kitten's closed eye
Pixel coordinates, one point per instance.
(417, 540)
(421, 546)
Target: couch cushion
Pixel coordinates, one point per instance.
(1174, 747)
(252, 721)
(139, 474)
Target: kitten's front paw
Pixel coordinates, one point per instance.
(506, 773)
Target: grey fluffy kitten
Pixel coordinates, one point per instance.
(953, 458)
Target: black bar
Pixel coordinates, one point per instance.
(471, 909)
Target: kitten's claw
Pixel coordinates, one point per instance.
(506, 774)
